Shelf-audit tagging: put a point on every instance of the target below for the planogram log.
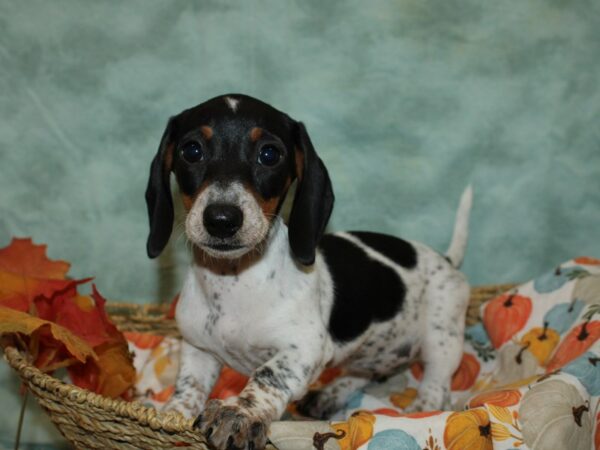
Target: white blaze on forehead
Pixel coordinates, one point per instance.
(232, 103)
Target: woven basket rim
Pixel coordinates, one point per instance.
(168, 421)
(171, 421)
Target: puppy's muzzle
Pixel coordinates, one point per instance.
(222, 220)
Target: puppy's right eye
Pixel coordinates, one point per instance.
(192, 152)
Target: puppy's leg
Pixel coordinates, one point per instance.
(243, 422)
(323, 403)
(447, 297)
(198, 372)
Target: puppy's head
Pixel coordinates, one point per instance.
(234, 158)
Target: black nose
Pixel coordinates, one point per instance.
(222, 220)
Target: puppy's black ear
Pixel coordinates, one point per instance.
(158, 196)
(313, 201)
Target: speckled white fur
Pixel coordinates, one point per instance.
(270, 321)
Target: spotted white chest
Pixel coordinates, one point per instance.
(245, 319)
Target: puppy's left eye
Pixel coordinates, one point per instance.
(192, 152)
(269, 155)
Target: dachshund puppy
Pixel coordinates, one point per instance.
(280, 302)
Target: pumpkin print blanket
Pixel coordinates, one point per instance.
(529, 379)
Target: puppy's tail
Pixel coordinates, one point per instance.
(458, 245)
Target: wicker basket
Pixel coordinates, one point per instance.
(90, 421)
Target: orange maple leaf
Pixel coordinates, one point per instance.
(22, 257)
(26, 273)
(13, 321)
(112, 374)
(83, 315)
(68, 328)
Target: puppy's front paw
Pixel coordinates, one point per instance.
(232, 427)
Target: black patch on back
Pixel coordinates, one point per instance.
(398, 250)
(365, 290)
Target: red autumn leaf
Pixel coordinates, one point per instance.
(22, 257)
(26, 273)
(12, 321)
(83, 315)
(111, 375)
(19, 292)
(69, 327)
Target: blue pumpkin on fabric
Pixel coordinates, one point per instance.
(555, 279)
(477, 333)
(562, 316)
(393, 440)
(355, 400)
(587, 370)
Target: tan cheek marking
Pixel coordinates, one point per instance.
(299, 155)
(255, 134)
(268, 206)
(207, 132)
(189, 200)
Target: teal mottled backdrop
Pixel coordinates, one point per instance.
(407, 101)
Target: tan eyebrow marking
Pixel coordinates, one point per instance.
(206, 131)
(255, 134)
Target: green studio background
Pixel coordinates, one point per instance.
(407, 101)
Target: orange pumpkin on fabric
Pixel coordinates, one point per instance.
(229, 383)
(466, 374)
(587, 260)
(504, 316)
(387, 412)
(468, 430)
(358, 429)
(503, 397)
(143, 341)
(404, 399)
(164, 395)
(575, 344)
(463, 378)
(541, 342)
